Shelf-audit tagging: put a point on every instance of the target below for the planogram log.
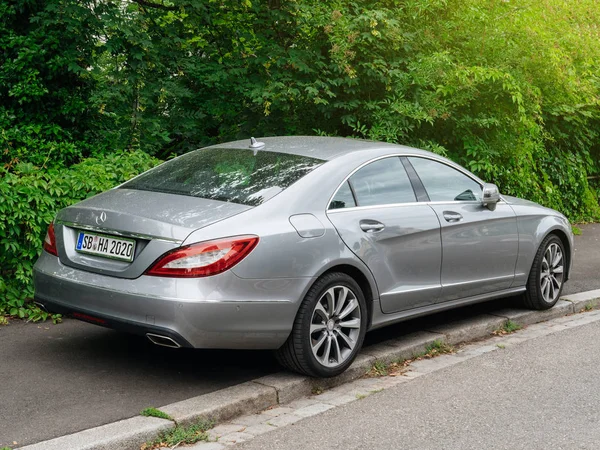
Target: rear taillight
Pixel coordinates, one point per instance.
(204, 259)
(50, 241)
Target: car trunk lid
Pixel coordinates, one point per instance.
(158, 222)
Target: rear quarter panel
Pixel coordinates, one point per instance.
(282, 252)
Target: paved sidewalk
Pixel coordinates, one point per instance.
(541, 393)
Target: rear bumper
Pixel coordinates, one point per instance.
(110, 322)
(223, 311)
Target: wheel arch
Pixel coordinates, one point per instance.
(565, 240)
(534, 229)
(363, 281)
(566, 243)
(534, 298)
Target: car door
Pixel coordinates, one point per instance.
(479, 246)
(378, 217)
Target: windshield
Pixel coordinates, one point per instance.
(230, 175)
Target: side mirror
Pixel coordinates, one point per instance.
(491, 196)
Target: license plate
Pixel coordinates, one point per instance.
(105, 246)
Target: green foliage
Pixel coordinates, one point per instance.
(508, 327)
(153, 412)
(190, 434)
(379, 369)
(30, 199)
(438, 347)
(511, 91)
(45, 48)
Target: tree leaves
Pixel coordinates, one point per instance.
(510, 91)
(30, 200)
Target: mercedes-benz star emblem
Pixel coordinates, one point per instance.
(101, 218)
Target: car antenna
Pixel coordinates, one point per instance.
(256, 145)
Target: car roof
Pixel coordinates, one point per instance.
(321, 147)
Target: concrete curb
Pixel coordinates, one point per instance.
(283, 387)
(223, 405)
(581, 300)
(124, 434)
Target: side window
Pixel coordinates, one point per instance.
(382, 182)
(343, 198)
(444, 183)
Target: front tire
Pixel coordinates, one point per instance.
(546, 279)
(329, 328)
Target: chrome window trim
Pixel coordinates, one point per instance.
(407, 155)
(401, 205)
(116, 232)
(361, 208)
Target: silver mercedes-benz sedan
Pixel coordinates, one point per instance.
(299, 244)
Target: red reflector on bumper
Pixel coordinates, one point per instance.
(88, 318)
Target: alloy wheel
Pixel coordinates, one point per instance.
(335, 326)
(551, 274)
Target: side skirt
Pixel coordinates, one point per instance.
(380, 319)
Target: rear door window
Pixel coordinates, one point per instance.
(230, 175)
(343, 198)
(382, 182)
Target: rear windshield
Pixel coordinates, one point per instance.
(241, 176)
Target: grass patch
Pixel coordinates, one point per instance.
(153, 412)
(508, 327)
(576, 231)
(379, 369)
(3, 321)
(588, 307)
(181, 435)
(5, 448)
(502, 346)
(438, 347)
(361, 396)
(317, 390)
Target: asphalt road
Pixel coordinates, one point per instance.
(542, 394)
(586, 262)
(56, 380)
(59, 379)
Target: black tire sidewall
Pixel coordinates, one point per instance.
(337, 279)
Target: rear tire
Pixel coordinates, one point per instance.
(546, 279)
(329, 328)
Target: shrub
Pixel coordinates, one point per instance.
(511, 92)
(30, 198)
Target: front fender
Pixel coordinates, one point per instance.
(534, 227)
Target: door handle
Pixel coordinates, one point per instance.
(452, 216)
(371, 226)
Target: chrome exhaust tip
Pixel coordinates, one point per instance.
(41, 306)
(163, 341)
